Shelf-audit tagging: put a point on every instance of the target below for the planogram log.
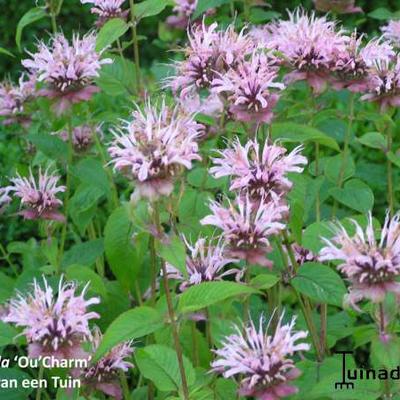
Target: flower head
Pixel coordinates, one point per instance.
(205, 262)
(54, 324)
(13, 98)
(250, 88)
(184, 10)
(82, 136)
(260, 172)
(247, 229)
(107, 9)
(384, 83)
(67, 69)
(391, 32)
(209, 52)
(309, 46)
(352, 65)
(337, 6)
(38, 197)
(263, 361)
(154, 147)
(371, 266)
(103, 375)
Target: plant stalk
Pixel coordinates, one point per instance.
(135, 46)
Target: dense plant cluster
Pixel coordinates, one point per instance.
(213, 228)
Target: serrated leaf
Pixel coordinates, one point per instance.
(355, 194)
(34, 14)
(84, 275)
(297, 133)
(320, 283)
(51, 145)
(174, 252)
(7, 334)
(149, 8)
(209, 293)
(85, 253)
(91, 173)
(112, 30)
(132, 324)
(374, 140)
(119, 249)
(160, 364)
(264, 281)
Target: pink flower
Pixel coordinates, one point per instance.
(337, 6)
(154, 148)
(263, 362)
(246, 228)
(391, 32)
(82, 136)
(303, 255)
(54, 325)
(370, 266)
(68, 70)
(208, 53)
(14, 98)
(103, 375)
(38, 196)
(384, 83)
(309, 46)
(260, 172)
(204, 263)
(184, 10)
(352, 65)
(106, 10)
(251, 89)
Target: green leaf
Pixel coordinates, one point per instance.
(297, 133)
(132, 324)
(112, 30)
(83, 253)
(91, 173)
(18, 393)
(320, 283)
(118, 78)
(118, 243)
(51, 145)
(381, 14)
(373, 139)
(394, 158)
(33, 15)
(84, 275)
(204, 5)
(355, 194)
(264, 281)
(6, 52)
(6, 287)
(160, 364)
(386, 355)
(7, 334)
(148, 8)
(174, 252)
(208, 293)
(333, 165)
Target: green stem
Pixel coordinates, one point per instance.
(317, 200)
(135, 46)
(70, 157)
(208, 328)
(114, 191)
(306, 310)
(324, 328)
(345, 152)
(124, 384)
(7, 258)
(40, 377)
(246, 304)
(175, 334)
(390, 171)
(195, 344)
